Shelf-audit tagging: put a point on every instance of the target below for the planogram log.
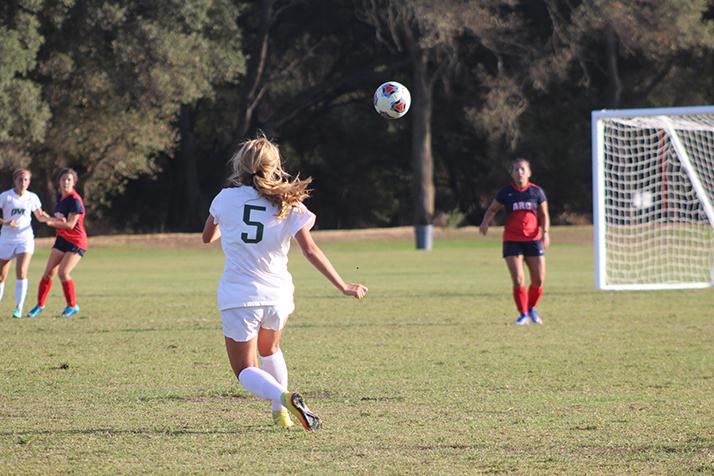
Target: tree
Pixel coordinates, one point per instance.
(23, 113)
(116, 76)
(429, 34)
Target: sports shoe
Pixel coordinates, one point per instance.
(523, 320)
(35, 311)
(17, 313)
(70, 311)
(281, 418)
(534, 316)
(293, 401)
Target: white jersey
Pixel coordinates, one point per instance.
(256, 246)
(19, 208)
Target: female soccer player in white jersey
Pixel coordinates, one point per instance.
(17, 239)
(256, 216)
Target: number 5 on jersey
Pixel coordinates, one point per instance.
(247, 210)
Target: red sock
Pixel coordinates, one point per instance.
(68, 288)
(534, 294)
(521, 299)
(43, 291)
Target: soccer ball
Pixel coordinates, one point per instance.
(392, 100)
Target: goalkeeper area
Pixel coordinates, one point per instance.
(427, 374)
(653, 195)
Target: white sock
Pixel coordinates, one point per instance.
(275, 365)
(2, 289)
(20, 292)
(261, 383)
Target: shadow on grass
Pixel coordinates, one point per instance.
(21, 435)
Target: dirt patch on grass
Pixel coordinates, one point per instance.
(560, 234)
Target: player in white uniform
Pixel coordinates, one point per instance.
(16, 237)
(255, 217)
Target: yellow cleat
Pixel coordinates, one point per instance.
(294, 402)
(281, 418)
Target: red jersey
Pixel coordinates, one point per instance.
(72, 203)
(521, 206)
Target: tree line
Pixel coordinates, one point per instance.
(148, 99)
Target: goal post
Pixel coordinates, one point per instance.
(653, 198)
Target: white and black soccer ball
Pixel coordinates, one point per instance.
(392, 100)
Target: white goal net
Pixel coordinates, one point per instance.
(653, 191)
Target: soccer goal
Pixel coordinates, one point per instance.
(653, 198)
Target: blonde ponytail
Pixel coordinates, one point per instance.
(257, 164)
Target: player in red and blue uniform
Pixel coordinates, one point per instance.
(69, 247)
(525, 237)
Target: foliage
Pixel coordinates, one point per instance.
(149, 99)
(114, 75)
(23, 113)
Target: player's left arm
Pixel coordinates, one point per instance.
(211, 231)
(317, 258)
(544, 223)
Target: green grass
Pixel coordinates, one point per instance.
(427, 375)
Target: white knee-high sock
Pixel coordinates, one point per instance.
(20, 292)
(261, 383)
(275, 365)
(2, 289)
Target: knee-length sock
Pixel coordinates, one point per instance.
(68, 289)
(275, 365)
(521, 299)
(534, 294)
(43, 291)
(20, 293)
(261, 383)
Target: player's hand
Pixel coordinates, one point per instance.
(13, 223)
(483, 228)
(61, 218)
(546, 240)
(355, 290)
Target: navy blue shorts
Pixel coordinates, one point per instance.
(525, 248)
(64, 245)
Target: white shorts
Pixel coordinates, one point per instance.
(10, 249)
(243, 323)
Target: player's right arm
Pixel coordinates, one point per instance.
(317, 258)
(211, 232)
(4, 221)
(41, 215)
(490, 213)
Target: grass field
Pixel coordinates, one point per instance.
(427, 375)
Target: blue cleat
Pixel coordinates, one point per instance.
(17, 313)
(35, 311)
(70, 311)
(534, 316)
(523, 320)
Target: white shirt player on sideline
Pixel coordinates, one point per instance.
(17, 239)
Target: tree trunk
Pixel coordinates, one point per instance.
(613, 72)
(189, 207)
(253, 85)
(423, 161)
